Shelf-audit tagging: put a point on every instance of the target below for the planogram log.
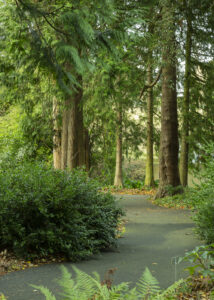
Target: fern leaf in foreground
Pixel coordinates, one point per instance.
(170, 291)
(45, 291)
(87, 287)
(148, 284)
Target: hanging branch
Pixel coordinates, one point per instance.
(42, 14)
(147, 86)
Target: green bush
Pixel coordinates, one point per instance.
(203, 195)
(48, 212)
(133, 183)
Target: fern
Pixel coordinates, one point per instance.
(148, 284)
(87, 287)
(45, 291)
(171, 289)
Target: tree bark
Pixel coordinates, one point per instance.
(75, 132)
(72, 150)
(87, 150)
(81, 135)
(72, 145)
(149, 179)
(118, 179)
(64, 138)
(56, 136)
(185, 109)
(169, 180)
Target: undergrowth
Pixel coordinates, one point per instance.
(179, 201)
(86, 287)
(46, 212)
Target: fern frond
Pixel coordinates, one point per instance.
(85, 282)
(85, 287)
(148, 285)
(132, 295)
(45, 291)
(119, 291)
(67, 284)
(171, 289)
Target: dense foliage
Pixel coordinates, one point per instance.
(113, 54)
(204, 197)
(47, 212)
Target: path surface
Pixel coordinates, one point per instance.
(154, 236)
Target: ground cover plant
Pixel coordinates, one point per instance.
(178, 201)
(86, 287)
(47, 212)
(199, 285)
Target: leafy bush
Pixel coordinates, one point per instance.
(48, 212)
(25, 137)
(133, 183)
(202, 261)
(86, 287)
(203, 195)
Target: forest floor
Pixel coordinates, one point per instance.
(178, 201)
(126, 191)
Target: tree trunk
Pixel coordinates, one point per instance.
(72, 152)
(72, 149)
(168, 173)
(64, 138)
(75, 132)
(118, 179)
(185, 108)
(56, 136)
(149, 179)
(81, 137)
(87, 150)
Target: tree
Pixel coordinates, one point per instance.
(118, 179)
(168, 161)
(186, 100)
(61, 38)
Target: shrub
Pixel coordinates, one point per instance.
(133, 183)
(49, 212)
(204, 197)
(201, 261)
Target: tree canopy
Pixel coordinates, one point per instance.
(98, 83)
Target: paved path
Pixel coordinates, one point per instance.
(154, 236)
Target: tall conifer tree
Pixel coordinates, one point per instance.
(168, 162)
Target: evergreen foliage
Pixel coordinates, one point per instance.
(203, 195)
(48, 212)
(52, 50)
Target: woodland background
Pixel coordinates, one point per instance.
(96, 84)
